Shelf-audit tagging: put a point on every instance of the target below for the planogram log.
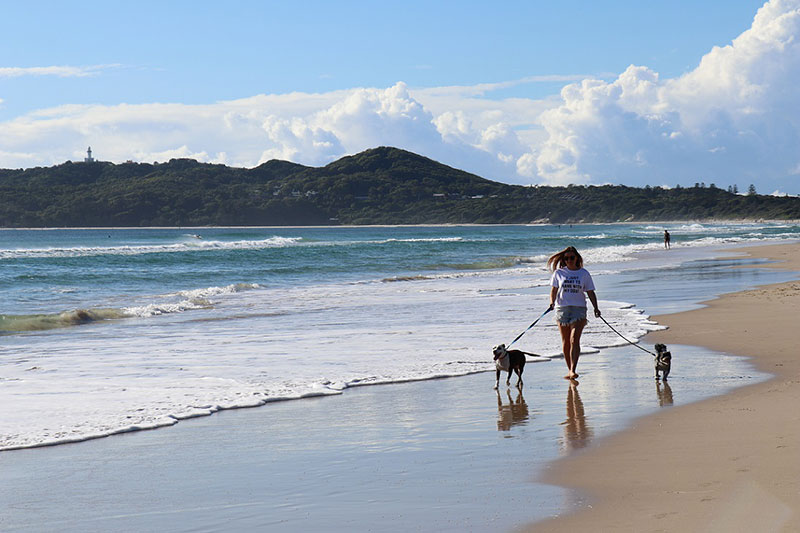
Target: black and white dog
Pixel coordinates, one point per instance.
(510, 361)
(663, 361)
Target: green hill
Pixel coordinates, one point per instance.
(379, 186)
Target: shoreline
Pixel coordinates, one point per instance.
(338, 463)
(728, 463)
(219, 409)
(444, 225)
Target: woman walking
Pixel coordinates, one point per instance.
(571, 283)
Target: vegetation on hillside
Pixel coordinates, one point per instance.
(379, 186)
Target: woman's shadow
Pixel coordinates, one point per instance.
(513, 413)
(577, 432)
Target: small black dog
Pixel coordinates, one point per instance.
(663, 360)
(510, 361)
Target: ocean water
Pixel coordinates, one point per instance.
(107, 331)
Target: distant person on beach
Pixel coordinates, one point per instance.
(666, 239)
(571, 283)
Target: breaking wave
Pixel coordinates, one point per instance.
(186, 301)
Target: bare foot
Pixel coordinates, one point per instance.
(573, 375)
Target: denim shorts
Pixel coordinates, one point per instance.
(570, 313)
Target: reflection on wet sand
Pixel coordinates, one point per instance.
(513, 413)
(577, 433)
(664, 392)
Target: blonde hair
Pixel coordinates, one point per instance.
(557, 261)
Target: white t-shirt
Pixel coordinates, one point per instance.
(572, 286)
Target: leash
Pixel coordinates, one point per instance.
(529, 327)
(628, 341)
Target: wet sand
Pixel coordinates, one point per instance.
(729, 463)
(439, 455)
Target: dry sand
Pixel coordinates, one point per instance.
(731, 463)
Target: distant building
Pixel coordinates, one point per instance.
(89, 158)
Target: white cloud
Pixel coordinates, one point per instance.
(372, 117)
(734, 117)
(294, 140)
(482, 89)
(63, 71)
(176, 153)
(311, 129)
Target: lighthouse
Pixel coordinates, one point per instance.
(89, 158)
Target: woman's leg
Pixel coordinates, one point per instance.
(575, 345)
(566, 345)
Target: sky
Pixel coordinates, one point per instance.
(659, 93)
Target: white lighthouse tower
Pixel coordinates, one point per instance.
(89, 158)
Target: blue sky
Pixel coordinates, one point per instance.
(477, 85)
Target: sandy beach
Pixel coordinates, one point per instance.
(730, 463)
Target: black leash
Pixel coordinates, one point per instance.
(601, 318)
(529, 327)
(621, 335)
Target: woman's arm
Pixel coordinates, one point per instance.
(593, 299)
(553, 296)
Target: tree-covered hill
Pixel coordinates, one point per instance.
(379, 186)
